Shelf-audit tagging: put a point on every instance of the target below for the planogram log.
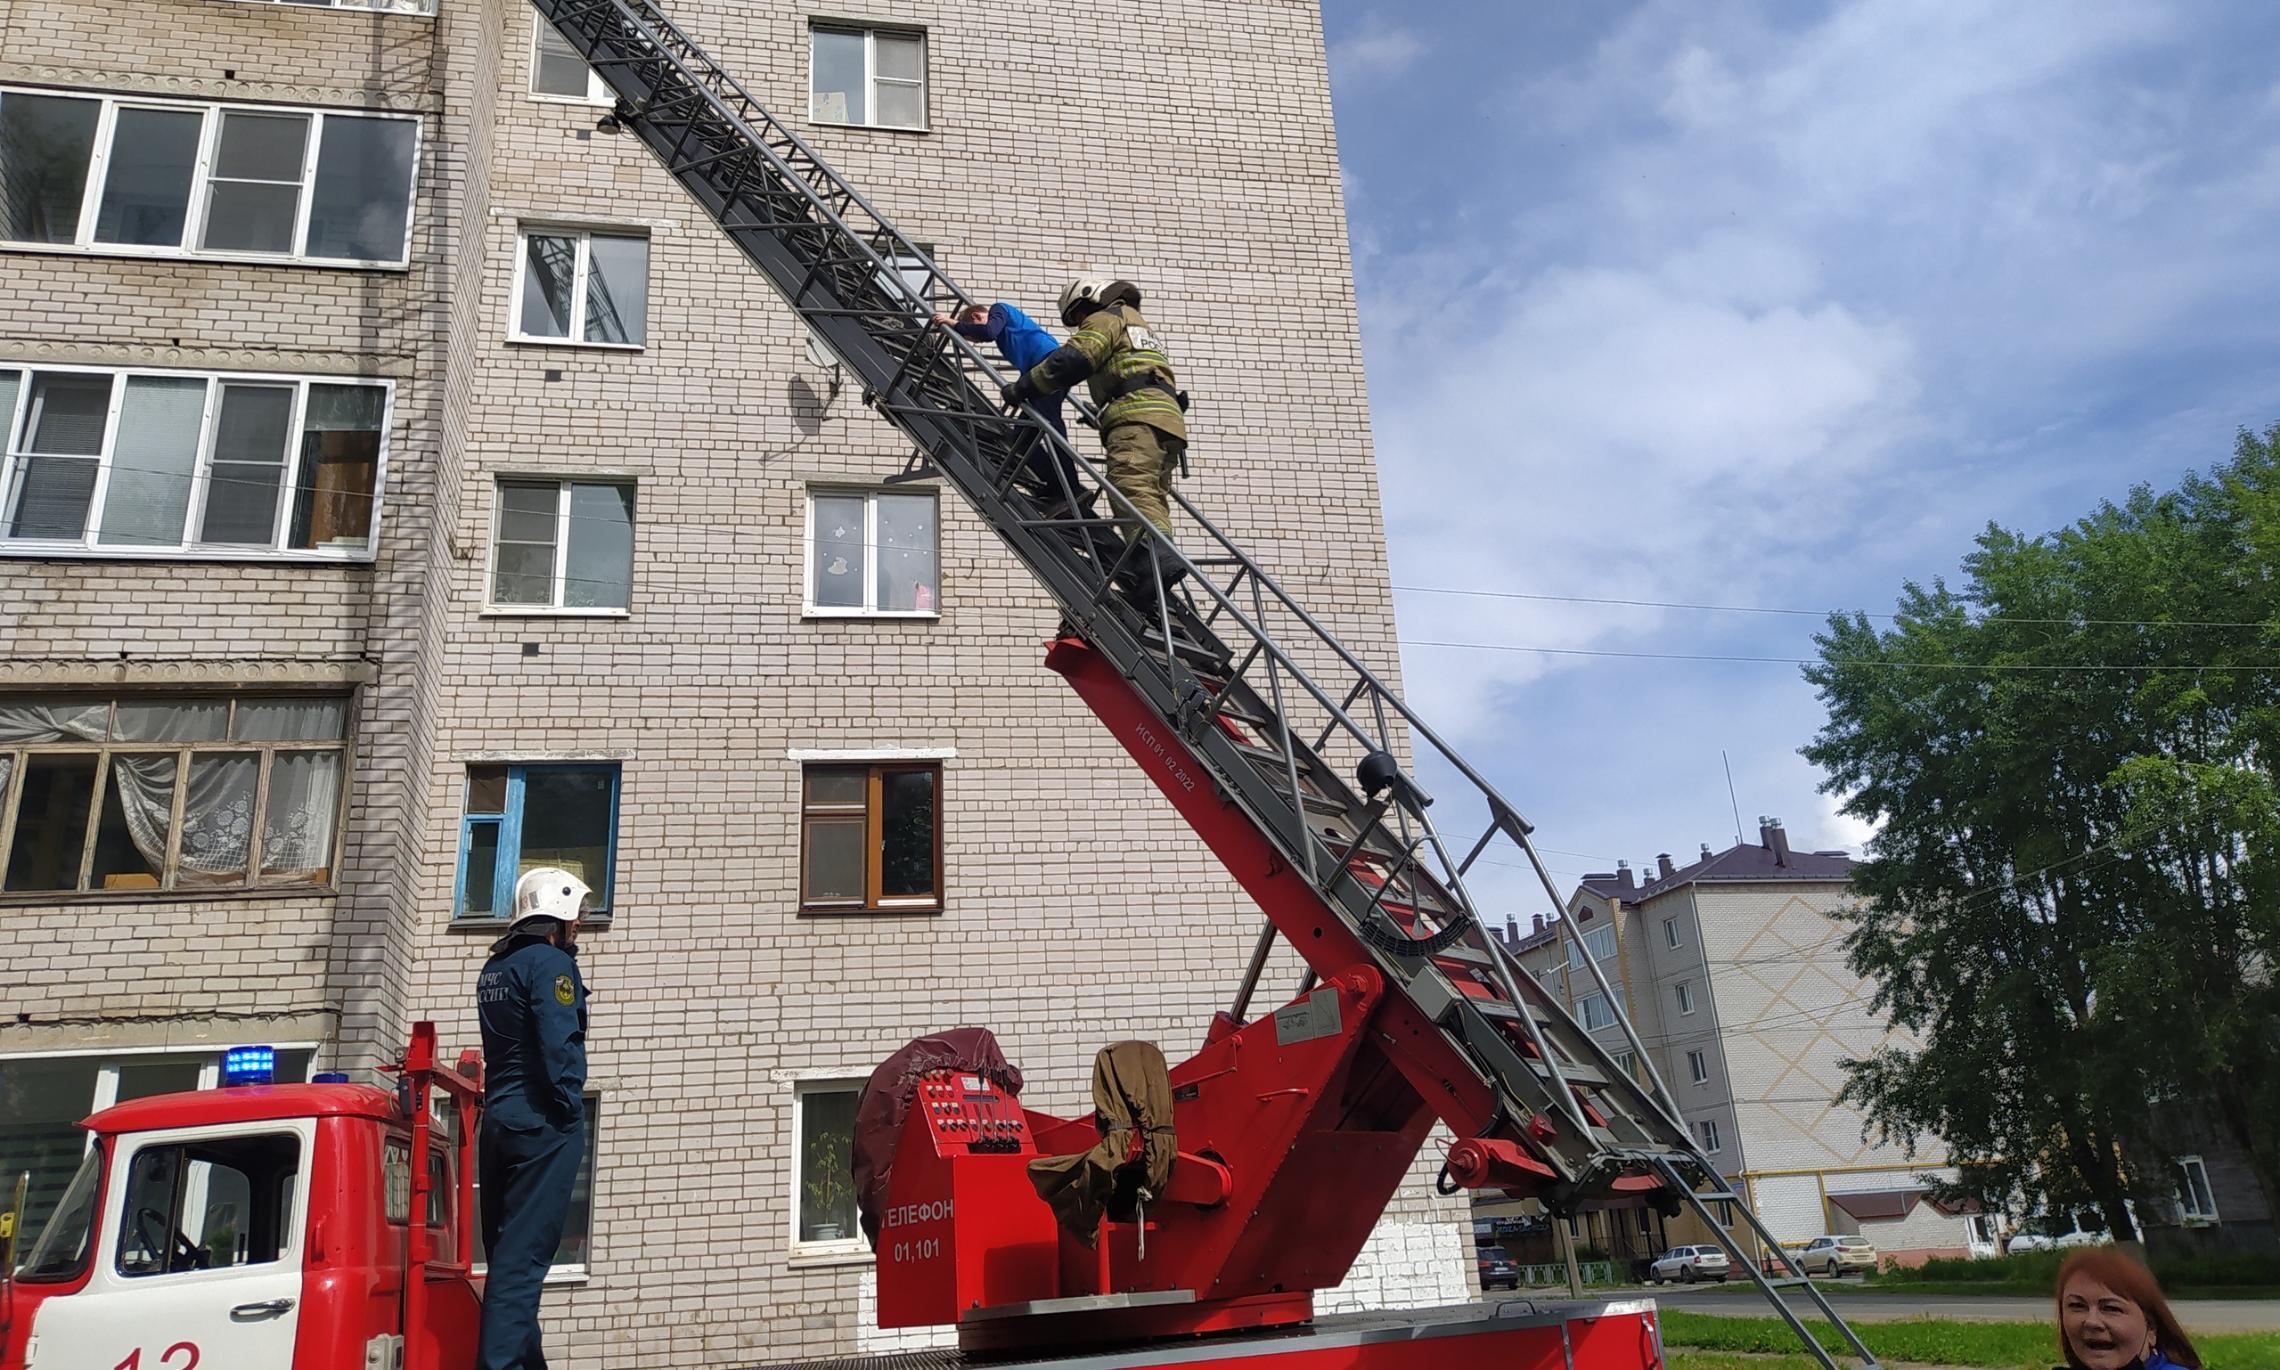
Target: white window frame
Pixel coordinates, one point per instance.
(563, 1272)
(1698, 1067)
(1583, 1011)
(109, 1060)
(562, 517)
(1684, 989)
(585, 236)
(2189, 1208)
(598, 91)
(868, 609)
(419, 9)
(1712, 1143)
(852, 1247)
(871, 77)
(1582, 945)
(87, 545)
(1670, 933)
(202, 185)
(1628, 1063)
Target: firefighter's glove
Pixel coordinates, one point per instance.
(1018, 392)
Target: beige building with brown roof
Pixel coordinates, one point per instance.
(1732, 971)
(405, 485)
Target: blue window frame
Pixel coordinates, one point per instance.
(518, 817)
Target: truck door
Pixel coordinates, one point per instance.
(198, 1265)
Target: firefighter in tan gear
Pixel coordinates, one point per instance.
(1143, 419)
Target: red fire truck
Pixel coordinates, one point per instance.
(328, 1226)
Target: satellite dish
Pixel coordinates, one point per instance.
(820, 353)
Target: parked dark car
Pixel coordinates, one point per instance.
(1497, 1270)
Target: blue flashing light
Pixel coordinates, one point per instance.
(249, 1066)
(329, 1077)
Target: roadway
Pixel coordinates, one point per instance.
(2198, 1315)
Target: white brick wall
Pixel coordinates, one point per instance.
(1059, 858)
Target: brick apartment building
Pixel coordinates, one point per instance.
(1733, 975)
(404, 485)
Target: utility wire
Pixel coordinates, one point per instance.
(1820, 613)
(1846, 661)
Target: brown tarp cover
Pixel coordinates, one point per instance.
(1132, 1094)
(885, 1101)
(1871, 1205)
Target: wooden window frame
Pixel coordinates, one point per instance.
(266, 752)
(874, 850)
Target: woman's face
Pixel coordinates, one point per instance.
(2106, 1330)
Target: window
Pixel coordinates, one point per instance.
(1708, 1130)
(42, 1099)
(167, 793)
(871, 837)
(1600, 942)
(135, 463)
(575, 1256)
(563, 544)
(1685, 991)
(385, 6)
(872, 77)
(582, 289)
(1628, 1063)
(521, 817)
(1698, 1067)
(1723, 1208)
(2196, 1202)
(1670, 933)
(557, 72)
(871, 554)
(1593, 1009)
(823, 1173)
(208, 1205)
(156, 178)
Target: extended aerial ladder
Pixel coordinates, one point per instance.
(1223, 668)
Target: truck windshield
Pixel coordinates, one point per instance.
(61, 1250)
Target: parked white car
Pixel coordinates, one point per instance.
(1686, 1264)
(2029, 1241)
(1832, 1255)
(2080, 1238)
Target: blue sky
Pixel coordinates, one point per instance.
(1771, 304)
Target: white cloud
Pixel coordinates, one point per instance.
(1837, 831)
(1613, 436)
(1376, 49)
(1730, 312)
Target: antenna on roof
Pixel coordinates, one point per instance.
(1730, 795)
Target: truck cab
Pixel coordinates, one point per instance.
(258, 1227)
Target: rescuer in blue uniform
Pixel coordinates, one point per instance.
(532, 1003)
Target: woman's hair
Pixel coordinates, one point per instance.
(2134, 1282)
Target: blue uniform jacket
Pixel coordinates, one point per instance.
(532, 1003)
(1023, 343)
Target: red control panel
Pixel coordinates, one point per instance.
(970, 1116)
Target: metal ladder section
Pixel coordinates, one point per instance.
(1261, 691)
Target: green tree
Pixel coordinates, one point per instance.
(2071, 903)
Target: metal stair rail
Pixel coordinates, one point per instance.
(1262, 692)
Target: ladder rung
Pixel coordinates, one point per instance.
(1194, 653)
(1471, 956)
(1269, 757)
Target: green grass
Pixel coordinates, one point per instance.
(1994, 1345)
(1711, 1360)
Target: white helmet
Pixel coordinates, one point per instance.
(549, 892)
(1086, 294)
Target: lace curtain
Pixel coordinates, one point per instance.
(218, 804)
